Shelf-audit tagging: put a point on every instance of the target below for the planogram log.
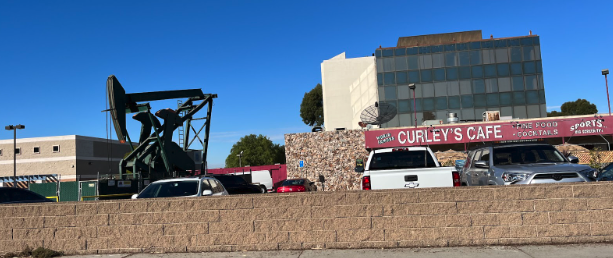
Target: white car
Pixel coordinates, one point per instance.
(406, 167)
(183, 187)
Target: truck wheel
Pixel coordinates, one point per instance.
(262, 189)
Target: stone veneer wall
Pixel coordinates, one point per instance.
(455, 216)
(331, 154)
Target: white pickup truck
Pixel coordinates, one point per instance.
(406, 167)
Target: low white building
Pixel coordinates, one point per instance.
(65, 156)
(343, 77)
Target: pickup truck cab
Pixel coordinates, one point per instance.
(406, 167)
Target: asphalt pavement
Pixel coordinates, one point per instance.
(558, 251)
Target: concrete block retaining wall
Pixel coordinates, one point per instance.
(464, 216)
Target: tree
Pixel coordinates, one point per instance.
(573, 108)
(312, 107)
(257, 151)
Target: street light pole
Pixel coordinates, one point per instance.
(14, 128)
(240, 161)
(412, 86)
(605, 72)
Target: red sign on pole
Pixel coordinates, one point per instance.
(490, 131)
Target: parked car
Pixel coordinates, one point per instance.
(18, 195)
(606, 173)
(261, 178)
(183, 187)
(237, 185)
(522, 163)
(297, 185)
(407, 167)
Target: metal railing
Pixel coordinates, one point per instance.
(57, 198)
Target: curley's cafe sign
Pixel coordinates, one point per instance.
(491, 131)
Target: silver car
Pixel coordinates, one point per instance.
(183, 187)
(522, 163)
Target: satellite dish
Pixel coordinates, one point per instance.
(378, 114)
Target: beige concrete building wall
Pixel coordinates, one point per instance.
(77, 156)
(340, 78)
(435, 217)
(45, 162)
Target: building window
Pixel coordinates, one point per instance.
(36, 150)
(56, 148)
(18, 151)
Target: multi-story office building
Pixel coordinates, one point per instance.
(461, 73)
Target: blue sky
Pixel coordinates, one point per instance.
(260, 57)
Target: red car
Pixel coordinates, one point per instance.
(296, 185)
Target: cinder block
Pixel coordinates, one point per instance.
(563, 217)
(323, 199)
(277, 237)
(497, 232)
(368, 197)
(33, 234)
(496, 219)
(134, 206)
(149, 230)
(495, 206)
(58, 210)
(314, 245)
(6, 212)
(560, 205)
(186, 229)
(474, 194)
(347, 223)
(589, 216)
(362, 245)
(523, 232)
(507, 193)
(109, 231)
(175, 242)
(457, 220)
(398, 222)
(464, 233)
(431, 221)
(423, 243)
(288, 213)
(92, 220)
(601, 229)
(168, 205)
(435, 195)
(60, 221)
(471, 242)
(289, 225)
(239, 214)
(546, 192)
(86, 209)
(598, 190)
(535, 218)
(290, 246)
(600, 203)
(6, 234)
(440, 208)
(563, 230)
(108, 207)
(97, 243)
(19, 245)
(606, 215)
(348, 211)
(29, 210)
(28, 222)
(193, 216)
(412, 234)
(65, 245)
(276, 202)
(231, 227)
(239, 239)
(577, 240)
(313, 236)
(360, 235)
(76, 233)
(404, 197)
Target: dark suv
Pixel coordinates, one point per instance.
(522, 163)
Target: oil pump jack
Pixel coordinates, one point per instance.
(156, 156)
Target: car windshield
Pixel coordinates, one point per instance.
(607, 172)
(231, 181)
(529, 154)
(293, 182)
(170, 189)
(401, 159)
